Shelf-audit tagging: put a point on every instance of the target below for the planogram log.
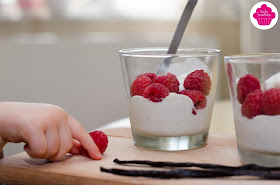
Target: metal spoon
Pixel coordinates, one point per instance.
(177, 36)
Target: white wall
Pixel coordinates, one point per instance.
(254, 40)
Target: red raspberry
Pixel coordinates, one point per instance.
(245, 85)
(170, 81)
(271, 101)
(139, 85)
(198, 80)
(100, 139)
(252, 106)
(150, 75)
(198, 98)
(156, 92)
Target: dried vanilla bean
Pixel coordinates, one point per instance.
(199, 165)
(187, 173)
(176, 173)
(207, 171)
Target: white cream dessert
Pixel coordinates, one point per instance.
(171, 117)
(261, 132)
(171, 106)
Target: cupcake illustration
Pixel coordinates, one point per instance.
(264, 15)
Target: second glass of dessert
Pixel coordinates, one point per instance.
(254, 83)
(170, 111)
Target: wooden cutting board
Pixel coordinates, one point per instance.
(21, 169)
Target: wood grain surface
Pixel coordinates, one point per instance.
(21, 169)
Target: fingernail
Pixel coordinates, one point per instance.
(99, 156)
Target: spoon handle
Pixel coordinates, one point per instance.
(177, 36)
(181, 27)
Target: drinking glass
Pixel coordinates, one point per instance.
(173, 122)
(254, 82)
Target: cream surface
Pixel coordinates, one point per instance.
(261, 133)
(273, 82)
(171, 117)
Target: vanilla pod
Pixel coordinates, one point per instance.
(199, 165)
(189, 173)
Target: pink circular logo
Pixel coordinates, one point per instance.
(264, 15)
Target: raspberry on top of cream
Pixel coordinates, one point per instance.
(256, 102)
(155, 88)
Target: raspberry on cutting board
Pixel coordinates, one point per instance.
(198, 80)
(198, 98)
(139, 85)
(100, 139)
(245, 85)
(252, 106)
(156, 92)
(271, 101)
(169, 80)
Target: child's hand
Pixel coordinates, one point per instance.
(48, 131)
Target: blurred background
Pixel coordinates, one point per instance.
(65, 52)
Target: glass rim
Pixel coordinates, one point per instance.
(140, 52)
(254, 56)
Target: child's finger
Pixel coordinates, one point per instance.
(65, 139)
(76, 147)
(80, 134)
(36, 144)
(53, 143)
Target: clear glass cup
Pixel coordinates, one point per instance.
(174, 123)
(257, 131)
